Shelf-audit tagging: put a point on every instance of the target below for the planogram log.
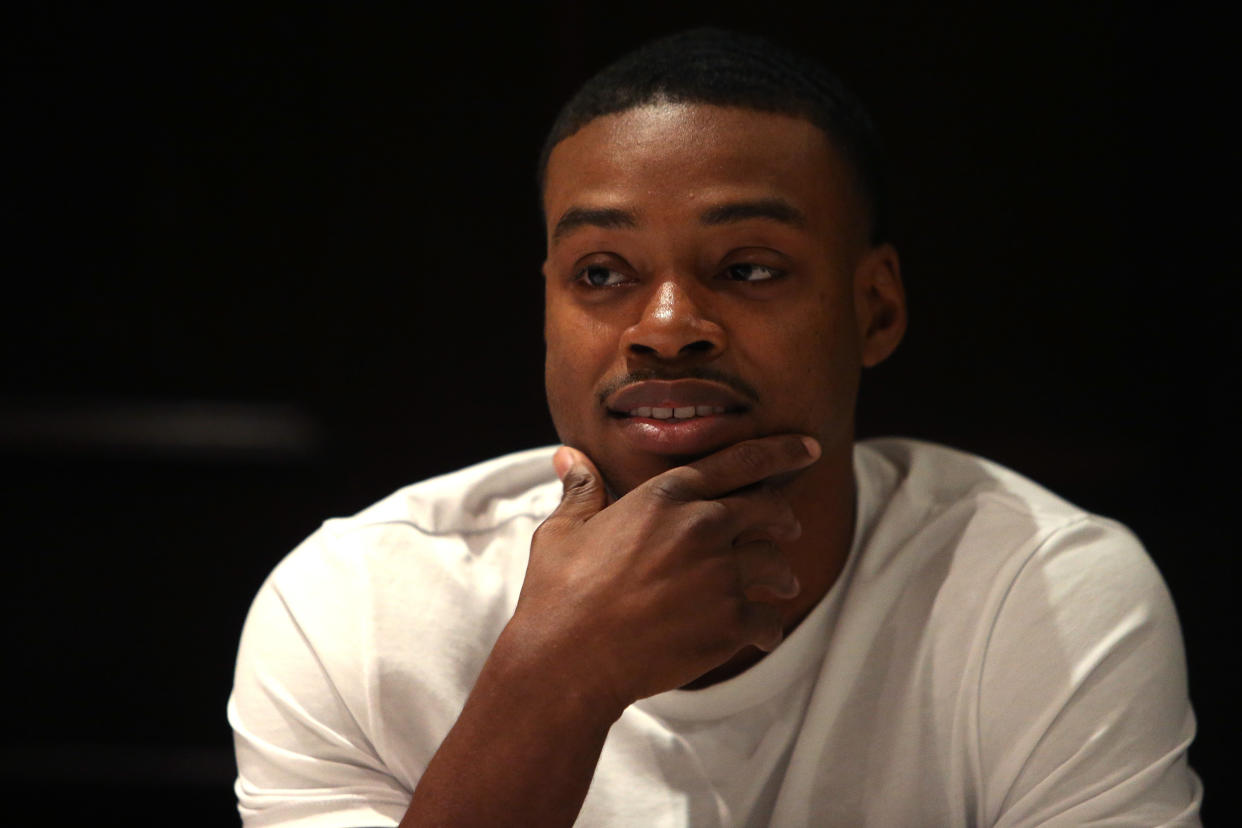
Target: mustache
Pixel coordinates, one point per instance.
(702, 372)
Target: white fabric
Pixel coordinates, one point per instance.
(991, 655)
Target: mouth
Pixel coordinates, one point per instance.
(681, 399)
(678, 417)
(672, 412)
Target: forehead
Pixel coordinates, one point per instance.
(670, 156)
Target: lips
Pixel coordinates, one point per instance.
(678, 417)
(675, 399)
(662, 412)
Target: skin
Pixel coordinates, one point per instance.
(683, 241)
(799, 339)
(796, 339)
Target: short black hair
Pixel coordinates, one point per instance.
(723, 68)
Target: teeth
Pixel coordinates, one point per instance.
(684, 412)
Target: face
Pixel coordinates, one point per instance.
(708, 280)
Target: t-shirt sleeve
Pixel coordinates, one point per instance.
(303, 755)
(1084, 717)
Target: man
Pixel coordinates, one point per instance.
(725, 612)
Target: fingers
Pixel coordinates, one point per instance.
(760, 512)
(563, 460)
(761, 625)
(583, 492)
(763, 571)
(740, 465)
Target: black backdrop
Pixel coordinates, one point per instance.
(262, 267)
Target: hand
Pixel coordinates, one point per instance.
(646, 594)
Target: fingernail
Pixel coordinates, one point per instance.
(812, 447)
(562, 462)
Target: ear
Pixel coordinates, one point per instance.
(879, 304)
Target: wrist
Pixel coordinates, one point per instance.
(545, 671)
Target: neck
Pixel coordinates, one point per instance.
(823, 499)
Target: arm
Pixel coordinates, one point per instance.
(602, 622)
(303, 754)
(523, 751)
(1084, 716)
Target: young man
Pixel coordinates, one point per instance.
(724, 612)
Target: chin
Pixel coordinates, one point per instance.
(623, 474)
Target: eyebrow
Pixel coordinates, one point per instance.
(609, 218)
(612, 218)
(776, 209)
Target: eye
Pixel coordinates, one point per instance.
(748, 272)
(600, 276)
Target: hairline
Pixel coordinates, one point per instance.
(661, 97)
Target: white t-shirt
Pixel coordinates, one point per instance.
(990, 655)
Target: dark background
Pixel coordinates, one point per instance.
(262, 267)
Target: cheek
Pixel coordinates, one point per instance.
(560, 376)
(811, 366)
(834, 374)
(576, 339)
(575, 355)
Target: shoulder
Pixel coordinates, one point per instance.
(442, 556)
(1062, 636)
(434, 521)
(994, 540)
(918, 498)
(478, 498)
(361, 646)
(927, 478)
(921, 504)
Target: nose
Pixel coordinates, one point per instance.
(673, 325)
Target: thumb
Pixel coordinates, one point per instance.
(583, 492)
